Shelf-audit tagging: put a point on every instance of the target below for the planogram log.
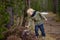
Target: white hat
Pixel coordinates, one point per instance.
(30, 11)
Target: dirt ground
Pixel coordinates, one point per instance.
(52, 27)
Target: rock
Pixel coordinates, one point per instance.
(13, 37)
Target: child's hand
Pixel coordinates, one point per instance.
(27, 26)
(45, 19)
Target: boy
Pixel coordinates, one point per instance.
(38, 19)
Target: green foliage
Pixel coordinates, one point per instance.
(50, 5)
(35, 4)
(44, 5)
(4, 18)
(18, 7)
(59, 6)
(2, 29)
(58, 12)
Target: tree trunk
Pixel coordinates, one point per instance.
(11, 14)
(27, 5)
(55, 6)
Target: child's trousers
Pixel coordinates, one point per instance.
(41, 27)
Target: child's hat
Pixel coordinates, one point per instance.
(30, 10)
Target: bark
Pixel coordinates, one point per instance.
(55, 6)
(27, 5)
(11, 14)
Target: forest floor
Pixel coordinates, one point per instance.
(52, 29)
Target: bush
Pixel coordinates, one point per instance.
(4, 18)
